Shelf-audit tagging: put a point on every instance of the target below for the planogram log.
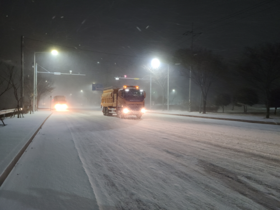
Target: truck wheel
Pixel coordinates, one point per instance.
(104, 110)
(108, 112)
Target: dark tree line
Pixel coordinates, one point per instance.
(260, 67)
(205, 68)
(257, 73)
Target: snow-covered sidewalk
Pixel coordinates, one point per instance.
(234, 116)
(15, 135)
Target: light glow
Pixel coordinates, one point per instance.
(155, 63)
(143, 110)
(125, 110)
(54, 52)
(60, 107)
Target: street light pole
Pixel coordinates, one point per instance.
(190, 86)
(53, 52)
(150, 90)
(34, 82)
(155, 63)
(36, 90)
(22, 72)
(167, 86)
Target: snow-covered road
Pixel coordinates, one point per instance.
(84, 160)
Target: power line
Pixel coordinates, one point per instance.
(241, 17)
(193, 34)
(240, 12)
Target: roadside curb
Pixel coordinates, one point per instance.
(10, 167)
(219, 118)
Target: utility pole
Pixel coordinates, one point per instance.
(150, 90)
(22, 72)
(167, 87)
(34, 85)
(193, 34)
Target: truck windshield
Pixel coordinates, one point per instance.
(133, 95)
(59, 99)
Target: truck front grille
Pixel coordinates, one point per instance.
(135, 107)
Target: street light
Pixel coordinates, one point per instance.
(155, 63)
(53, 52)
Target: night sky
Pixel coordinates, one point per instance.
(124, 35)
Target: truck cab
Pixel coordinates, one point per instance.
(125, 101)
(59, 103)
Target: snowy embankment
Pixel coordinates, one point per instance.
(256, 117)
(16, 134)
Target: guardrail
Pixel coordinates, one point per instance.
(8, 112)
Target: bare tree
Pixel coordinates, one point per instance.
(44, 87)
(206, 67)
(12, 80)
(16, 85)
(260, 66)
(5, 79)
(275, 99)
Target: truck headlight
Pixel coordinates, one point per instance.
(57, 107)
(64, 106)
(61, 107)
(125, 110)
(143, 110)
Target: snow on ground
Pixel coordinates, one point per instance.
(167, 162)
(158, 162)
(237, 115)
(16, 133)
(49, 175)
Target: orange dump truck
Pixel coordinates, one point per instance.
(125, 101)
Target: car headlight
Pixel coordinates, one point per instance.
(143, 110)
(125, 110)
